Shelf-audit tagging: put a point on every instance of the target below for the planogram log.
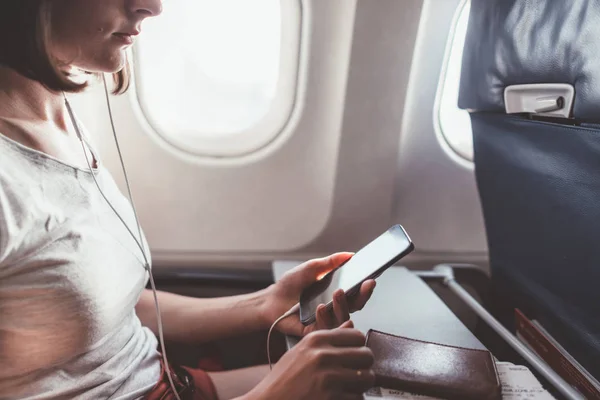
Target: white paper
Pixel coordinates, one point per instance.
(518, 383)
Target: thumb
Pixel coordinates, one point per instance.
(322, 266)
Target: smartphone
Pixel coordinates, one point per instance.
(368, 263)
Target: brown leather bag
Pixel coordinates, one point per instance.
(433, 369)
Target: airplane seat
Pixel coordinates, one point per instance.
(537, 161)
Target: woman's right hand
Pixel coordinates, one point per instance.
(328, 364)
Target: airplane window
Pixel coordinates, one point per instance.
(217, 78)
(455, 123)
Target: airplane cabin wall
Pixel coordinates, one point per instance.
(359, 153)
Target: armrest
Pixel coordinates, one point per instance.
(466, 274)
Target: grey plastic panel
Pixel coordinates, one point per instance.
(436, 194)
(547, 99)
(390, 310)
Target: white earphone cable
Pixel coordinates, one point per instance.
(139, 242)
(288, 313)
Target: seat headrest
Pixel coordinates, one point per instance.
(514, 42)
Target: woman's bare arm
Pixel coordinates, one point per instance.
(237, 383)
(192, 320)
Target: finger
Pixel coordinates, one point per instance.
(360, 381)
(313, 270)
(340, 307)
(324, 318)
(354, 381)
(356, 358)
(359, 301)
(344, 337)
(322, 266)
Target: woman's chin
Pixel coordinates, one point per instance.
(109, 65)
(113, 65)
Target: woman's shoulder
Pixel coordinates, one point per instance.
(9, 171)
(14, 152)
(19, 168)
(22, 179)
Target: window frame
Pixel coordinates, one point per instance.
(460, 152)
(258, 136)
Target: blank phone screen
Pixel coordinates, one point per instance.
(366, 263)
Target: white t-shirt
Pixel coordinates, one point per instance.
(70, 277)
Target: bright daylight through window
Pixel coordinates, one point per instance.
(209, 73)
(454, 122)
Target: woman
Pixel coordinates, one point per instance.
(75, 320)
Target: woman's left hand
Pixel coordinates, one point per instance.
(286, 292)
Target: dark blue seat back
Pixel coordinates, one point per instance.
(539, 182)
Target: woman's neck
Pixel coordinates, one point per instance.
(22, 98)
